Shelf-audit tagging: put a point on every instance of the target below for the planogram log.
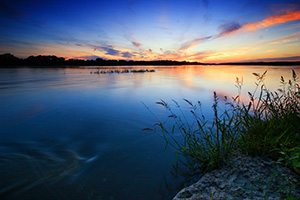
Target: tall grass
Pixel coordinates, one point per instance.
(268, 125)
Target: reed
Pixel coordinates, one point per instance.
(122, 71)
(268, 125)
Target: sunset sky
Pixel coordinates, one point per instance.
(191, 30)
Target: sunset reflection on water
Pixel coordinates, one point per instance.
(98, 120)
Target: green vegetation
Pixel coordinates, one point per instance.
(270, 124)
(267, 126)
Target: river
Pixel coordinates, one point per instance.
(67, 133)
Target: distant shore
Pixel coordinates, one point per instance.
(9, 60)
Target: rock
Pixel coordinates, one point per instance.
(244, 177)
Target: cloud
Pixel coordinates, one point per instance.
(168, 52)
(273, 20)
(127, 54)
(193, 43)
(92, 57)
(128, 35)
(216, 56)
(282, 39)
(291, 58)
(108, 50)
(225, 29)
(15, 42)
(229, 28)
(111, 51)
(271, 50)
(234, 27)
(136, 44)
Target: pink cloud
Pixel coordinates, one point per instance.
(273, 20)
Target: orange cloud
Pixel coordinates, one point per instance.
(273, 20)
(234, 27)
(279, 40)
(194, 42)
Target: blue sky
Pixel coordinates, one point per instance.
(203, 30)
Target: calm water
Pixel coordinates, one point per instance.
(69, 134)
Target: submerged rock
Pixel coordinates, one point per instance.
(245, 178)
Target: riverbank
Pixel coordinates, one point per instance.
(245, 177)
(267, 126)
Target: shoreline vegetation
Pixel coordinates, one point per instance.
(124, 71)
(267, 127)
(60, 62)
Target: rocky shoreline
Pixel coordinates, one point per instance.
(245, 177)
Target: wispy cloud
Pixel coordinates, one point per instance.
(92, 57)
(128, 34)
(271, 50)
(136, 44)
(234, 27)
(279, 40)
(291, 58)
(272, 20)
(217, 56)
(15, 42)
(229, 28)
(193, 43)
(225, 29)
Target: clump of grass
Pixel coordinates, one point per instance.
(205, 148)
(268, 126)
(142, 70)
(270, 123)
(118, 71)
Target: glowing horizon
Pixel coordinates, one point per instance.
(210, 31)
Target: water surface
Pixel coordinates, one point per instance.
(69, 134)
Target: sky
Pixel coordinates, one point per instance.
(210, 31)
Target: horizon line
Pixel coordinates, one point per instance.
(256, 61)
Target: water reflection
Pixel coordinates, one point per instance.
(65, 130)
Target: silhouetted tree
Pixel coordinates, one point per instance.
(9, 59)
(53, 61)
(45, 60)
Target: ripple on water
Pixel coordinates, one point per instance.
(33, 167)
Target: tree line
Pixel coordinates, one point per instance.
(51, 60)
(54, 61)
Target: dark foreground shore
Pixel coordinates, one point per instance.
(245, 177)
